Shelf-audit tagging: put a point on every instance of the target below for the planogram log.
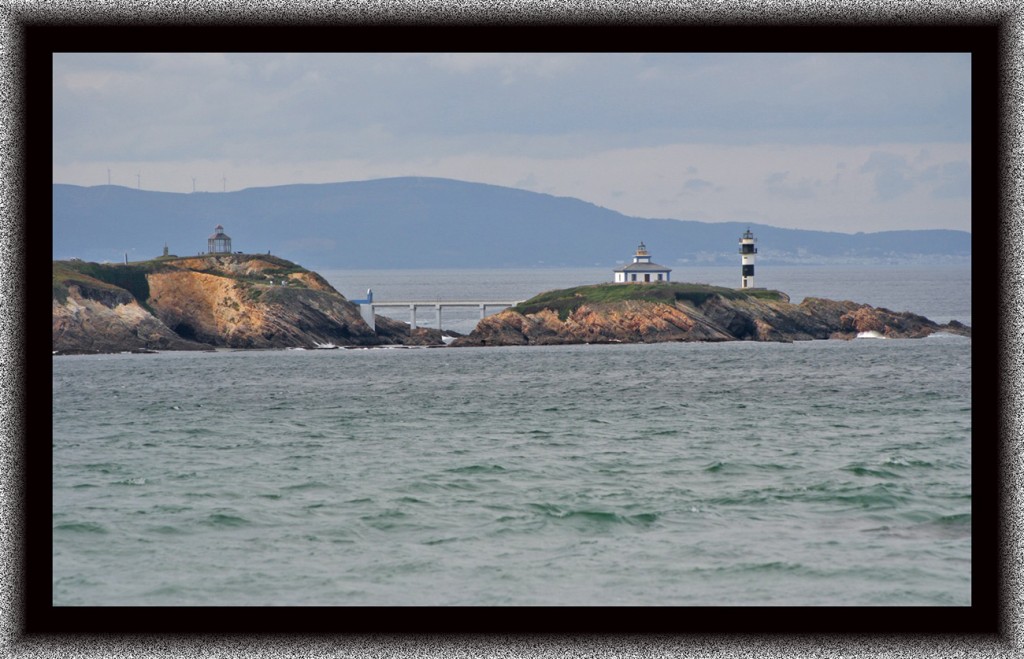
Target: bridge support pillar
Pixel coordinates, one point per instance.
(483, 311)
(412, 316)
(438, 307)
(366, 311)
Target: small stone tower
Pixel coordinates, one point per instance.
(219, 242)
(747, 252)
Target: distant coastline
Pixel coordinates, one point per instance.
(421, 222)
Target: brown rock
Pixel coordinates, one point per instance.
(93, 320)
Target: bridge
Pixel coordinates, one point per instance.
(368, 307)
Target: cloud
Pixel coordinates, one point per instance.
(213, 101)
(896, 175)
(697, 185)
(951, 180)
(892, 174)
(779, 184)
(509, 67)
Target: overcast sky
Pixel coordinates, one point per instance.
(838, 142)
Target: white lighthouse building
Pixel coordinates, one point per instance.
(641, 270)
(747, 252)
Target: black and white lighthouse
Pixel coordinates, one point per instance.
(747, 252)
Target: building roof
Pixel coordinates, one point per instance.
(643, 267)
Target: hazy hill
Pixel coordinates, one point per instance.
(438, 223)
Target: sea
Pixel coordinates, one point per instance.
(817, 473)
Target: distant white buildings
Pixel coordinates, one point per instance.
(642, 270)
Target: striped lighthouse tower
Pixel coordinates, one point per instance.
(747, 252)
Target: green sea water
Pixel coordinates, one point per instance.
(819, 473)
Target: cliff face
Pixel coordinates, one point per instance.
(689, 313)
(230, 301)
(93, 319)
(226, 312)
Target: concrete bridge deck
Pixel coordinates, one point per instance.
(369, 306)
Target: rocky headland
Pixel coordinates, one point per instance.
(650, 313)
(208, 302)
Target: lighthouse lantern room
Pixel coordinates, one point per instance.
(747, 252)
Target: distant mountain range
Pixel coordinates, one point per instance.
(441, 223)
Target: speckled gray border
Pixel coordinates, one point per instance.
(14, 13)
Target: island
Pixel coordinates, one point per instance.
(257, 301)
(663, 311)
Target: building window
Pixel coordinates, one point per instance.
(633, 276)
(659, 276)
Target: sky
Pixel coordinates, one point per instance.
(843, 142)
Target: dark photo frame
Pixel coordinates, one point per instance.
(472, 630)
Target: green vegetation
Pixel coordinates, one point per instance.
(567, 300)
(131, 278)
(63, 274)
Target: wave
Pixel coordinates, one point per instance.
(476, 469)
(104, 467)
(954, 520)
(863, 470)
(873, 498)
(130, 481)
(167, 529)
(742, 468)
(308, 485)
(81, 527)
(899, 461)
(225, 520)
(600, 517)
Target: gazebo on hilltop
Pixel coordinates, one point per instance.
(219, 242)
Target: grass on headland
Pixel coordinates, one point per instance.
(132, 276)
(567, 300)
